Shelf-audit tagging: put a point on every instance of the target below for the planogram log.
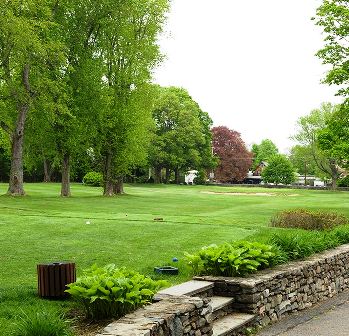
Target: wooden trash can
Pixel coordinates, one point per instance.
(53, 278)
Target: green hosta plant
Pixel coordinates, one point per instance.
(113, 292)
(232, 259)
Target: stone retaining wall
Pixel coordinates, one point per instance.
(288, 288)
(185, 316)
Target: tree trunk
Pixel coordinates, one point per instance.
(108, 180)
(65, 186)
(334, 183)
(119, 186)
(177, 175)
(335, 173)
(16, 172)
(168, 174)
(157, 177)
(47, 171)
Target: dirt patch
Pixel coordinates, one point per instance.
(248, 194)
(84, 327)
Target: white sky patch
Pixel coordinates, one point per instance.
(250, 64)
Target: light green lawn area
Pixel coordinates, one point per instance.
(42, 227)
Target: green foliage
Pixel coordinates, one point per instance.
(201, 177)
(343, 182)
(309, 128)
(302, 160)
(42, 323)
(232, 259)
(308, 220)
(332, 17)
(279, 170)
(334, 138)
(113, 292)
(263, 152)
(342, 234)
(182, 137)
(301, 244)
(93, 179)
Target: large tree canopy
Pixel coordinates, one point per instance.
(234, 158)
(182, 138)
(263, 152)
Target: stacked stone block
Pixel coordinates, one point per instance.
(177, 316)
(287, 288)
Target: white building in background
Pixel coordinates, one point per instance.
(310, 179)
(190, 176)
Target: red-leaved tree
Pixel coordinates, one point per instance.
(234, 158)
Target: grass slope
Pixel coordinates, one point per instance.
(42, 227)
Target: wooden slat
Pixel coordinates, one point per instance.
(53, 278)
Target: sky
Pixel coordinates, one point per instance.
(250, 64)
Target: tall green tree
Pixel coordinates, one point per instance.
(308, 129)
(77, 97)
(130, 52)
(25, 49)
(182, 138)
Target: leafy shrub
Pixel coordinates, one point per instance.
(42, 323)
(235, 259)
(113, 292)
(343, 182)
(201, 177)
(308, 220)
(302, 244)
(93, 179)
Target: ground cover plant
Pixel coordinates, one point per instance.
(308, 219)
(89, 228)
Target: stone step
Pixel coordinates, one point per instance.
(227, 325)
(190, 288)
(221, 306)
(219, 302)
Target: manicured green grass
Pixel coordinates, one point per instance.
(42, 227)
